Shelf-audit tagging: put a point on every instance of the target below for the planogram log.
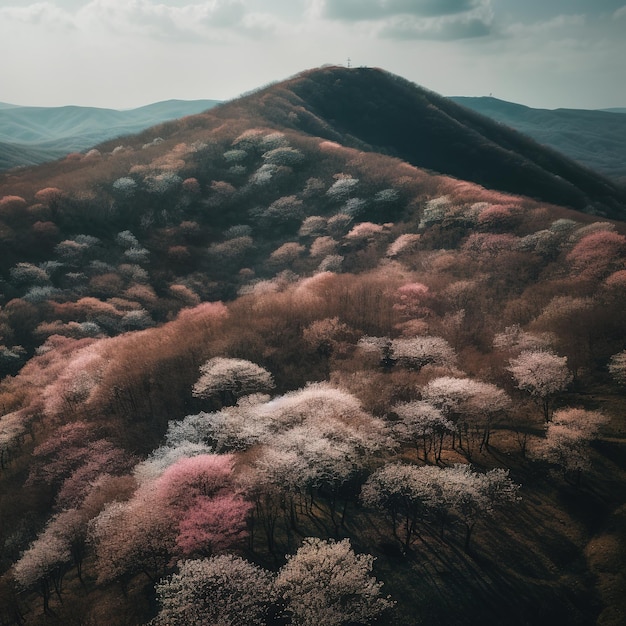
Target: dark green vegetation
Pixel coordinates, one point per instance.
(31, 135)
(596, 139)
(399, 291)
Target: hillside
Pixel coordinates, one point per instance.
(596, 139)
(32, 135)
(255, 355)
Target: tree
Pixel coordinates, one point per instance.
(230, 379)
(412, 494)
(417, 352)
(421, 423)
(323, 246)
(325, 582)
(138, 536)
(408, 493)
(567, 440)
(222, 591)
(542, 374)
(471, 404)
(49, 557)
(617, 367)
(212, 525)
(472, 496)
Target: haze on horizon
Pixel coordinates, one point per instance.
(128, 53)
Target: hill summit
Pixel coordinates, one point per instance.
(372, 109)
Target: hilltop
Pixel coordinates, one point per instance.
(283, 334)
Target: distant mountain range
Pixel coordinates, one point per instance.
(596, 139)
(32, 135)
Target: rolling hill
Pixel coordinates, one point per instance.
(31, 135)
(313, 350)
(595, 139)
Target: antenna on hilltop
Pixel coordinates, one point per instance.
(349, 61)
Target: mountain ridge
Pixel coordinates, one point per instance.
(433, 132)
(595, 139)
(31, 135)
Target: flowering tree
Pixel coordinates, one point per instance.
(515, 339)
(542, 374)
(222, 591)
(325, 582)
(567, 440)
(102, 457)
(413, 300)
(212, 525)
(411, 494)
(137, 536)
(229, 379)
(43, 565)
(471, 404)
(407, 493)
(342, 187)
(617, 367)
(13, 428)
(416, 352)
(472, 496)
(423, 425)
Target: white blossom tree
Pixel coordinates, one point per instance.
(471, 404)
(411, 495)
(325, 582)
(229, 379)
(617, 367)
(46, 561)
(423, 425)
(416, 352)
(542, 374)
(223, 590)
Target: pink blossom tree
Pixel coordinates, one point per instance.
(213, 525)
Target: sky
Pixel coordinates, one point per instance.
(126, 53)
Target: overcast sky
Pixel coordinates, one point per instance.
(126, 53)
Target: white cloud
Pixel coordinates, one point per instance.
(466, 27)
(44, 13)
(620, 13)
(356, 10)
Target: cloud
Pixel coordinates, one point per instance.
(165, 19)
(360, 10)
(39, 13)
(416, 19)
(441, 29)
(620, 13)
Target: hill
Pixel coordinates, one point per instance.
(246, 353)
(31, 135)
(596, 139)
